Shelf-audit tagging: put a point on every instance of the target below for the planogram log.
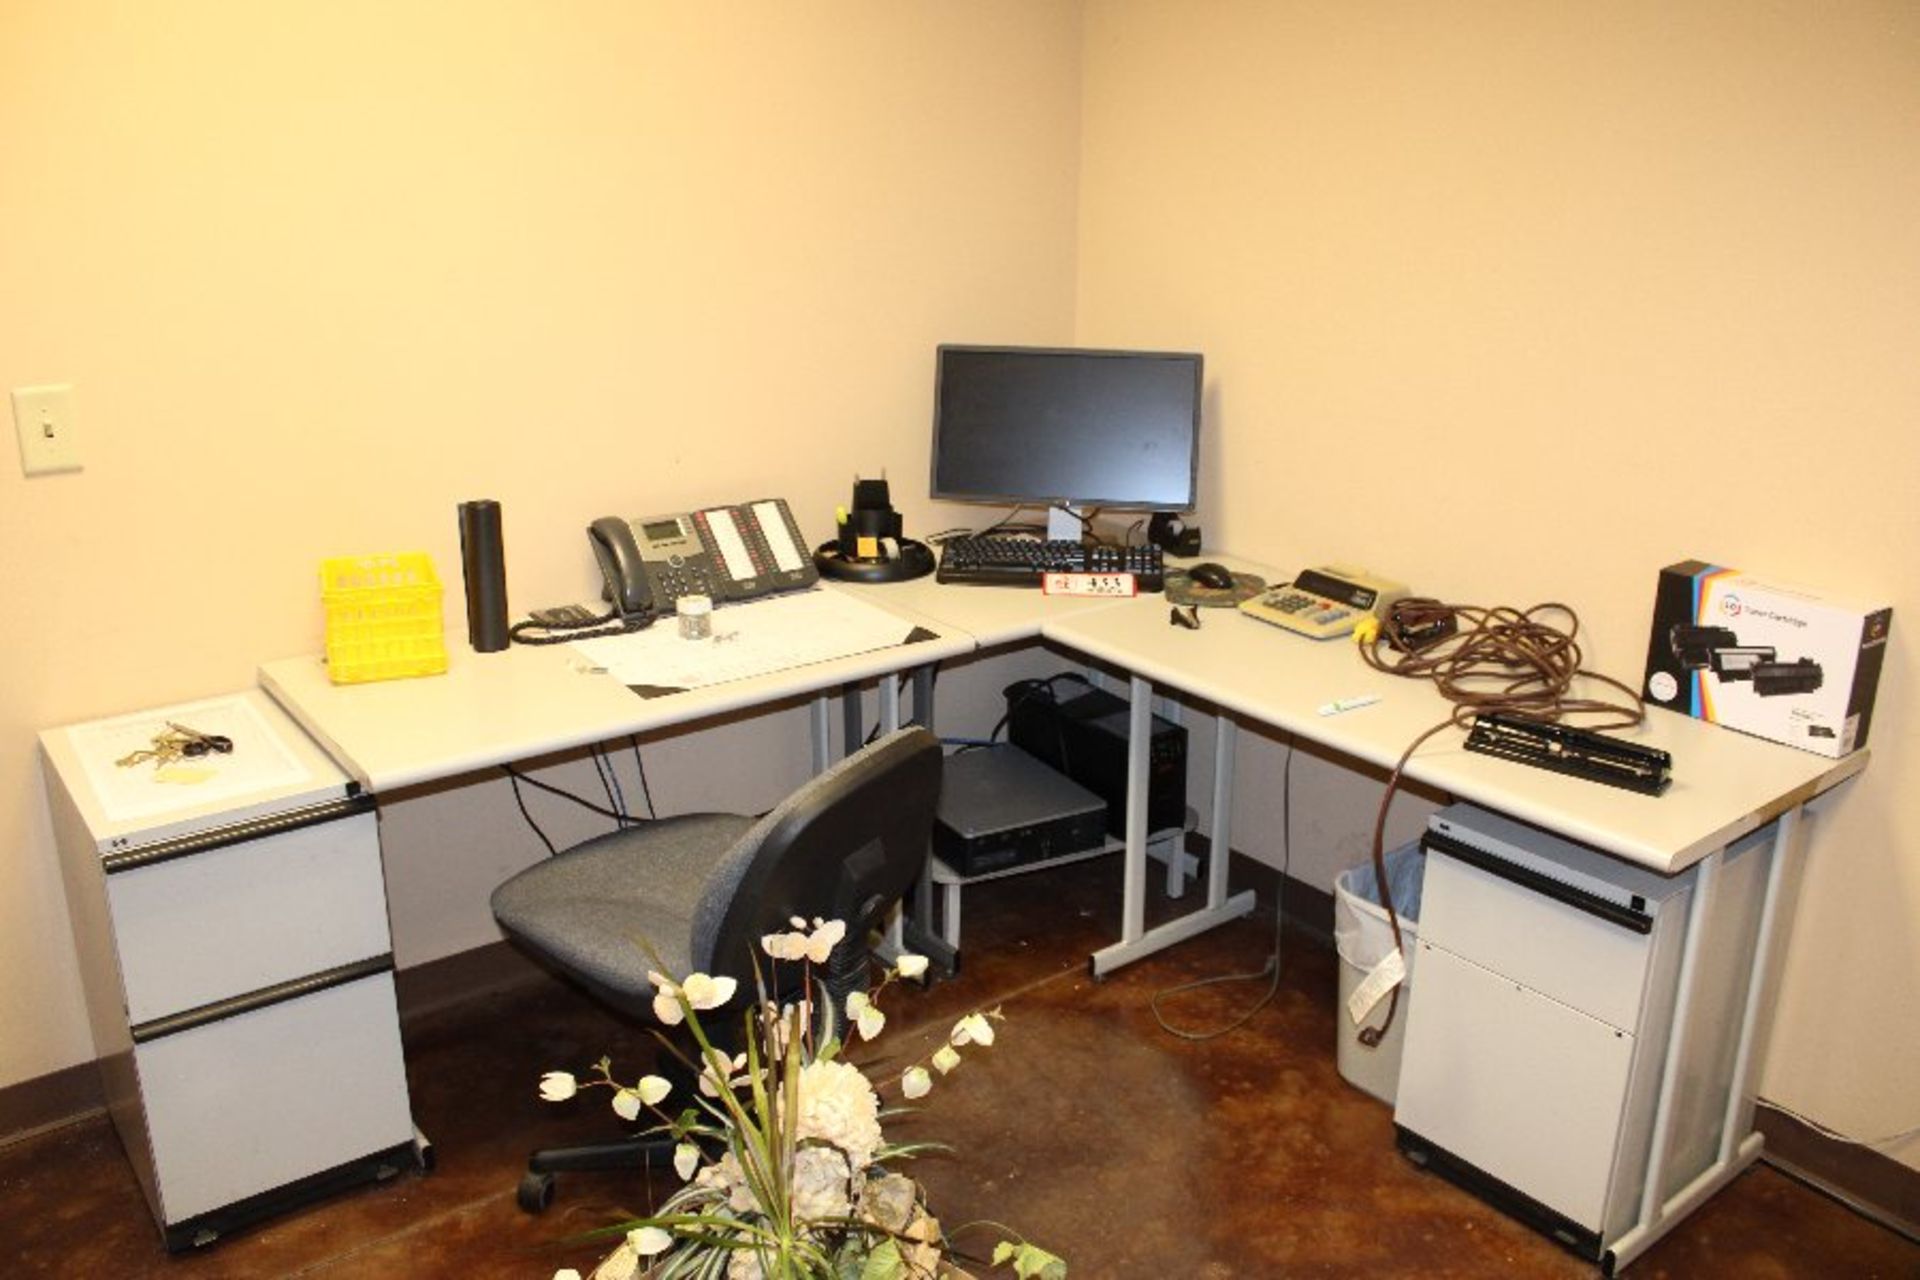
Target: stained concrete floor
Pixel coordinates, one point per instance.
(1128, 1150)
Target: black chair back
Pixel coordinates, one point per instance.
(845, 846)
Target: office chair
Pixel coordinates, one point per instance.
(702, 889)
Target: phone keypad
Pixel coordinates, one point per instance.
(688, 580)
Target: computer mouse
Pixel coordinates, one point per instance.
(1209, 574)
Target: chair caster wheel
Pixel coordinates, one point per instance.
(536, 1192)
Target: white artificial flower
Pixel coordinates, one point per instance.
(945, 1059)
(686, 1159)
(648, 1241)
(784, 946)
(726, 1175)
(558, 1086)
(666, 999)
(838, 1105)
(826, 934)
(909, 965)
(916, 1083)
(736, 1070)
(973, 1029)
(799, 922)
(654, 1088)
(626, 1104)
(566, 1273)
(704, 992)
(869, 1021)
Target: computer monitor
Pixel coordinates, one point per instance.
(1067, 427)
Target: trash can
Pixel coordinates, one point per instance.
(1363, 937)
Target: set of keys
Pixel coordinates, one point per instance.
(177, 742)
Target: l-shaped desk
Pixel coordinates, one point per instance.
(495, 708)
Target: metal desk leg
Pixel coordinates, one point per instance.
(1135, 939)
(1739, 1147)
(822, 734)
(915, 930)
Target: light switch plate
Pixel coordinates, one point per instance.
(44, 417)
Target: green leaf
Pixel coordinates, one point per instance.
(884, 1263)
(1030, 1261)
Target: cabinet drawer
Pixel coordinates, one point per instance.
(248, 1103)
(1582, 960)
(247, 915)
(1520, 1086)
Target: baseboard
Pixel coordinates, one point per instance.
(72, 1094)
(1866, 1181)
(49, 1102)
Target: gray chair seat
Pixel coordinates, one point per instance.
(596, 909)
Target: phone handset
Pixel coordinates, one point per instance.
(628, 590)
(621, 565)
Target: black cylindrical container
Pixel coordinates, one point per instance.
(484, 562)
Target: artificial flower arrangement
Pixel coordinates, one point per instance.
(785, 1167)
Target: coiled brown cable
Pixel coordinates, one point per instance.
(1482, 660)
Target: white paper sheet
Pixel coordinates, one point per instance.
(748, 640)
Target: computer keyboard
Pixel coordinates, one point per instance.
(1021, 562)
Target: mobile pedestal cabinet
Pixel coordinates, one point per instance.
(230, 917)
(1557, 1062)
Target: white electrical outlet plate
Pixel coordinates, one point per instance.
(44, 417)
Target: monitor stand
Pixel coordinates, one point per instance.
(1066, 523)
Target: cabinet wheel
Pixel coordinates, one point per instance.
(536, 1192)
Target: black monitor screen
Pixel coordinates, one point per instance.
(1087, 428)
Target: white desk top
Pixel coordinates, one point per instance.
(991, 615)
(1725, 783)
(491, 708)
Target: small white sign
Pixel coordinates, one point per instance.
(1109, 585)
(1382, 978)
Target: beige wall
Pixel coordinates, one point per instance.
(319, 272)
(1573, 292)
(1522, 301)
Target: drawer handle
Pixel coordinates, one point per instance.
(239, 833)
(279, 993)
(1546, 886)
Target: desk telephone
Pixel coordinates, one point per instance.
(725, 553)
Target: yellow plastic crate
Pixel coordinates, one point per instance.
(383, 617)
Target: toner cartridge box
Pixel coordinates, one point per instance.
(1766, 658)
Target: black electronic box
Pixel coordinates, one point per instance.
(1085, 737)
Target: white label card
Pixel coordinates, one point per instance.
(1089, 584)
(1383, 977)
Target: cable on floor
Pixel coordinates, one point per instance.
(1271, 969)
(1480, 659)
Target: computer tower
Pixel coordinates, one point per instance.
(1085, 738)
(1001, 808)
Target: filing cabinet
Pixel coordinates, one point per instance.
(229, 914)
(1549, 994)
